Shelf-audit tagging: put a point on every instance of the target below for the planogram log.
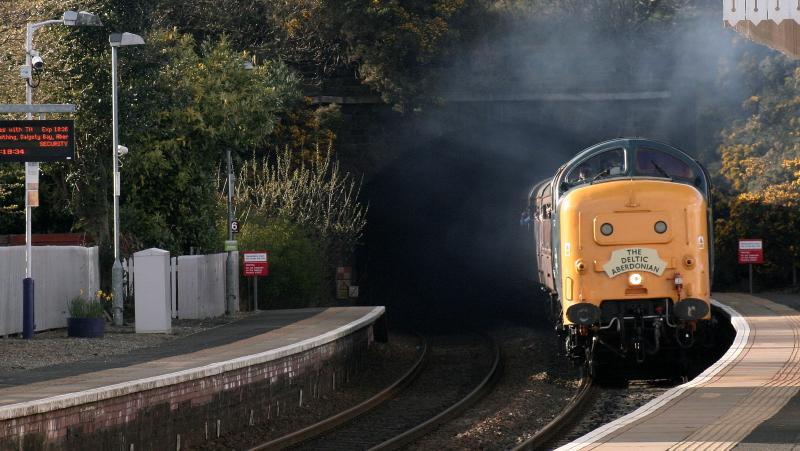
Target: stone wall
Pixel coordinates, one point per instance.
(186, 414)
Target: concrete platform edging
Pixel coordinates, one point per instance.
(44, 405)
(739, 344)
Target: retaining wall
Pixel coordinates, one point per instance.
(184, 410)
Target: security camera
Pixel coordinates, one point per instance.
(37, 62)
(121, 150)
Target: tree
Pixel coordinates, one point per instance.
(392, 46)
(191, 106)
(761, 164)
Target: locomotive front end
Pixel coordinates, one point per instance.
(633, 262)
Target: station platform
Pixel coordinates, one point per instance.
(188, 390)
(748, 400)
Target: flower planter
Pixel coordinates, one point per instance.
(86, 327)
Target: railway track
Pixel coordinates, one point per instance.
(451, 374)
(567, 419)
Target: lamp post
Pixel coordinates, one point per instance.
(34, 61)
(117, 40)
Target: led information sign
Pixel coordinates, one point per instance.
(46, 140)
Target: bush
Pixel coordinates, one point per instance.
(297, 271)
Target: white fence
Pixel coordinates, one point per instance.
(59, 274)
(197, 285)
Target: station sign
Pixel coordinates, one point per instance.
(36, 140)
(751, 251)
(256, 263)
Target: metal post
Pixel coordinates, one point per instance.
(255, 294)
(28, 299)
(230, 269)
(116, 269)
(750, 270)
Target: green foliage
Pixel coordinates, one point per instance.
(316, 196)
(393, 46)
(12, 201)
(761, 166)
(192, 105)
(309, 217)
(298, 275)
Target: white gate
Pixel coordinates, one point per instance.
(197, 285)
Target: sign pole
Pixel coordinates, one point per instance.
(751, 277)
(255, 294)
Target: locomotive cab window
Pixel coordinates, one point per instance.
(656, 163)
(610, 163)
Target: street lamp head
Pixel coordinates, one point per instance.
(123, 39)
(81, 19)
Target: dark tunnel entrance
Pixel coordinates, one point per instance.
(443, 243)
(444, 239)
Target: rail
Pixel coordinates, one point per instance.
(566, 418)
(329, 423)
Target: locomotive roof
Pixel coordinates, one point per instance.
(632, 145)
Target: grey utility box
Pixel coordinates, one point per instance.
(152, 291)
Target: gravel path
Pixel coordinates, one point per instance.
(54, 347)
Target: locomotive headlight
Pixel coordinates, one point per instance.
(606, 229)
(660, 227)
(635, 279)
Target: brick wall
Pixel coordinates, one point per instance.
(184, 415)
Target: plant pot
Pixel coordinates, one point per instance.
(86, 327)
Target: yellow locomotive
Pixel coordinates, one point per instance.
(624, 248)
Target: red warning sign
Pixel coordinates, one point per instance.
(256, 264)
(751, 251)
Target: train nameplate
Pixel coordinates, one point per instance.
(634, 259)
